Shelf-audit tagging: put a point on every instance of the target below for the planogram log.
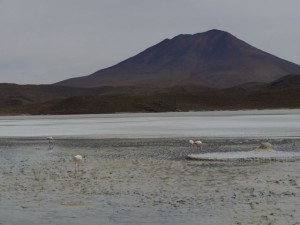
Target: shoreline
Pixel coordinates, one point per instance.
(280, 111)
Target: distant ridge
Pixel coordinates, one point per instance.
(51, 99)
(289, 81)
(214, 58)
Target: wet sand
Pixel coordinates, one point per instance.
(145, 181)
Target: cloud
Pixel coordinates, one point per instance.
(46, 41)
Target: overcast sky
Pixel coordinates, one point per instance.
(45, 41)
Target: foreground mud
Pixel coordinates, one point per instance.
(144, 181)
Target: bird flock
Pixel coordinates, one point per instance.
(77, 158)
(193, 143)
(196, 143)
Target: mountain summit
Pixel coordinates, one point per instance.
(214, 58)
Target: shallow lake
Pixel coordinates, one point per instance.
(148, 181)
(248, 123)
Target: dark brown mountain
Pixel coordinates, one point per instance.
(214, 58)
(289, 81)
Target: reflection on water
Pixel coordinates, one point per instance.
(253, 123)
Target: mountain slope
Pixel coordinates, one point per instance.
(287, 82)
(214, 58)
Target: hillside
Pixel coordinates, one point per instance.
(17, 95)
(174, 99)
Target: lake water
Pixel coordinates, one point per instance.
(139, 181)
(250, 123)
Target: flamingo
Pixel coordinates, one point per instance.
(198, 143)
(51, 140)
(77, 159)
(191, 142)
(265, 146)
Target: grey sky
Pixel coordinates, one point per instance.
(45, 41)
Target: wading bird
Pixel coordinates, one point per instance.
(265, 146)
(77, 159)
(51, 140)
(191, 142)
(198, 143)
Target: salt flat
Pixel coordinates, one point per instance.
(248, 123)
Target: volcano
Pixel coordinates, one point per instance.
(214, 59)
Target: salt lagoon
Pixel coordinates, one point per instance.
(136, 169)
(248, 123)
